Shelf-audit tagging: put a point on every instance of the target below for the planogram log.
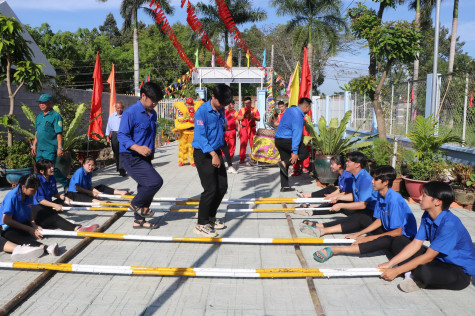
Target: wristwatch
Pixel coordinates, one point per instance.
(60, 148)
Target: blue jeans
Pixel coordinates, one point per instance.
(147, 178)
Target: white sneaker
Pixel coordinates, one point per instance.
(205, 230)
(216, 223)
(232, 170)
(53, 249)
(409, 285)
(26, 252)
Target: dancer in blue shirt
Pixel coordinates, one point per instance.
(288, 140)
(449, 262)
(137, 132)
(392, 218)
(207, 142)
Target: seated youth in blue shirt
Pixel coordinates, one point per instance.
(45, 210)
(288, 140)
(18, 226)
(344, 185)
(207, 141)
(449, 262)
(359, 205)
(393, 218)
(80, 185)
(137, 131)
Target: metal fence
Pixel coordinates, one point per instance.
(403, 102)
(165, 109)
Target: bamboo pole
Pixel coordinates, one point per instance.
(193, 210)
(195, 272)
(226, 201)
(326, 241)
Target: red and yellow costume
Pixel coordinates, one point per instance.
(184, 125)
(230, 134)
(248, 129)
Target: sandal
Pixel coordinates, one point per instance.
(142, 211)
(141, 223)
(323, 258)
(299, 194)
(306, 227)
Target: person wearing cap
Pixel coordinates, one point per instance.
(48, 141)
(137, 131)
(111, 134)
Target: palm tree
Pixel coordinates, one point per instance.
(241, 11)
(319, 19)
(129, 11)
(453, 37)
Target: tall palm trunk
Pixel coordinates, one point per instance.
(136, 53)
(310, 56)
(453, 38)
(415, 75)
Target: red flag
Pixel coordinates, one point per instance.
(96, 108)
(141, 84)
(111, 82)
(412, 95)
(305, 80)
(148, 78)
(471, 99)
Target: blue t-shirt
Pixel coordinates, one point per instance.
(291, 126)
(80, 178)
(137, 127)
(47, 189)
(209, 132)
(13, 205)
(345, 182)
(363, 189)
(394, 212)
(450, 238)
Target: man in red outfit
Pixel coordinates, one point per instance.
(248, 116)
(233, 125)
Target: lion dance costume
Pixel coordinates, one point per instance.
(184, 125)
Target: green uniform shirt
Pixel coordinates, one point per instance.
(47, 126)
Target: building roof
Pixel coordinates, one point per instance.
(38, 56)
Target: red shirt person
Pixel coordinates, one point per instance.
(232, 125)
(248, 116)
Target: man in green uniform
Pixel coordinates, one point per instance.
(48, 142)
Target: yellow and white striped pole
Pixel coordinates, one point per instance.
(192, 210)
(196, 272)
(322, 241)
(225, 201)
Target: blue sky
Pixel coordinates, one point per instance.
(69, 15)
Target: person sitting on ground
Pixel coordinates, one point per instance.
(344, 185)
(449, 262)
(80, 185)
(393, 218)
(17, 223)
(358, 206)
(44, 211)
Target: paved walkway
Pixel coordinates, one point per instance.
(90, 294)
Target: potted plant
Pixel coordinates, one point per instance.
(428, 164)
(330, 141)
(18, 161)
(463, 183)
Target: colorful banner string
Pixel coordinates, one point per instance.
(177, 87)
(196, 26)
(228, 20)
(167, 29)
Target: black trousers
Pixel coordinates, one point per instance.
(381, 243)
(115, 149)
(284, 146)
(226, 154)
(214, 182)
(20, 237)
(82, 197)
(47, 217)
(355, 222)
(435, 274)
